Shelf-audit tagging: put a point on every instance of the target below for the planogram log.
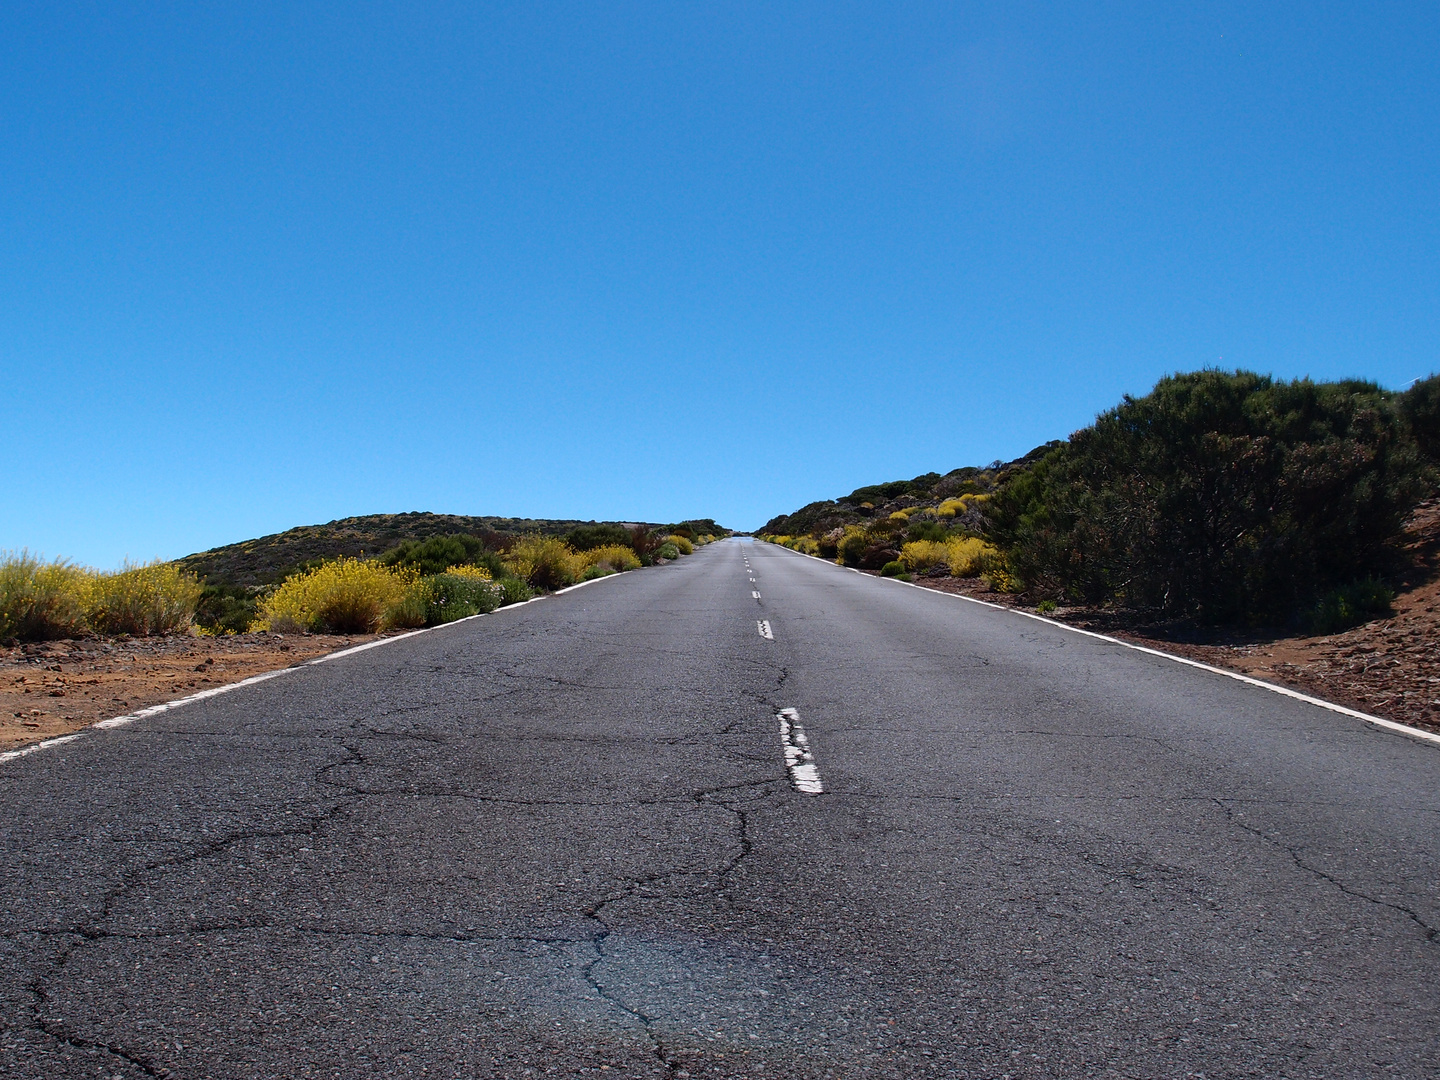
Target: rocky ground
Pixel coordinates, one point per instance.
(1389, 667)
(54, 687)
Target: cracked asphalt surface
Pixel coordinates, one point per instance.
(561, 840)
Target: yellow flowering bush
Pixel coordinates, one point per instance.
(476, 573)
(40, 600)
(156, 598)
(968, 556)
(347, 596)
(924, 554)
(544, 561)
(613, 556)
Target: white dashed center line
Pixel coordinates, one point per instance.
(755, 594)
(764, 627)
(798, 759)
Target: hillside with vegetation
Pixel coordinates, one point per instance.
(267, 560)
(1223, 498)
(353, 576)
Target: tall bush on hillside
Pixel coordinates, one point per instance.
(1222, 495)
(40, 601)
(1420, 405)
(590, 537)
(437, 554)
(544, 562)
(644, 543)
(157, 598)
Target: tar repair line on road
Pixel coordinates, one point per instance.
(798, 758)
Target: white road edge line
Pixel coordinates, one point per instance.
(1284, 691)
(763, 625)
(214, 691)
(798, 759)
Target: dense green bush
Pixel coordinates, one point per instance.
(225, 609)
(667, 550)
(513, 590)
(453, 596)
(1224, 495)
(931, 531)
(589, 537)
(439, 553)
(1349, 606)
(895, 569)
(1420, 405)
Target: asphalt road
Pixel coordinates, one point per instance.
(562, 839)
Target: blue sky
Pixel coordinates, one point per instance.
(268, 265)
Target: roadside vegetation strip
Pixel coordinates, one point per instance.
(215, 691)
(1378, 721)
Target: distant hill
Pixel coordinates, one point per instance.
(879, 500)
(269, 558)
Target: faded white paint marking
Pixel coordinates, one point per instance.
(10, 755)
(166, 706)
(764, 627)
(755, 594)
(798, 758)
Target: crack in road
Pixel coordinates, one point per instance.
(721, 874)
(1430, 932)
(88, 935)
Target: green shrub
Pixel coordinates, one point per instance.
(596, 570)
(410, 610)
(225, 609)
(932, 531)
(40, 601)
(1045, 607)
(436, 554)
(513, 590)
(1349, 606)
(346, 596)
(458, 596)
(893, 569)
(156, 598)
(589, 537)
(1222, 495)
(1420, 406)
(667, 550)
